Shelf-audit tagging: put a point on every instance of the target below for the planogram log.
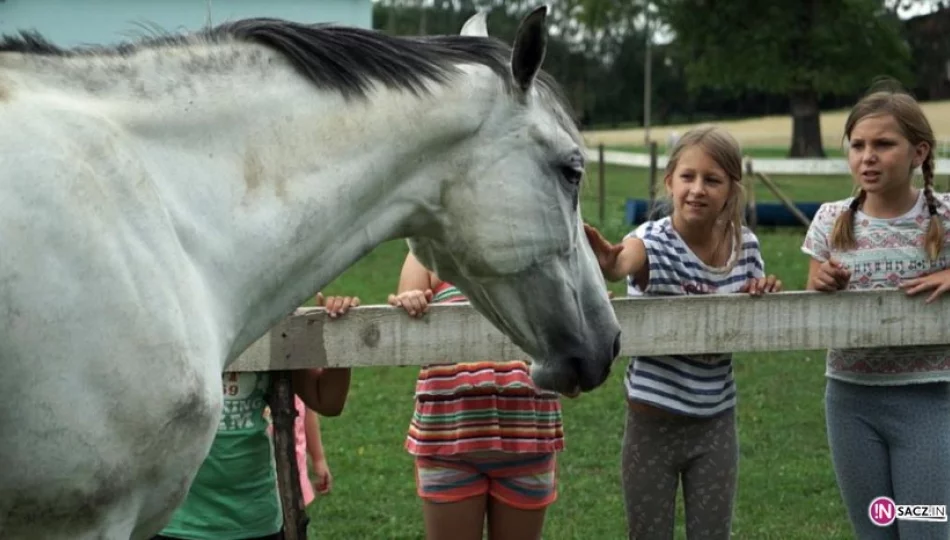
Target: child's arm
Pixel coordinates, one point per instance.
(620, 260)
(318, 457)
(311, 424)
(325, 390)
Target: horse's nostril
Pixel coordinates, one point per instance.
(616, 347)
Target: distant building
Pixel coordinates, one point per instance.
(76, 22)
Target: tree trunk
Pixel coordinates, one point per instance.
(806, 125)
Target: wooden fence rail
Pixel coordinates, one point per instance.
(372, 336)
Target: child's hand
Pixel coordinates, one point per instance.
(323, 482)
(759, 286)
(938, 281)
(605, 252)
(831, 276)
(415, 302)
(337, 306)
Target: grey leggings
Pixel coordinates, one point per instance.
(660, 450)
(893, 441)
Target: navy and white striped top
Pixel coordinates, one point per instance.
(693, 385)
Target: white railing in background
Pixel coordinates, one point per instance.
(802, 167)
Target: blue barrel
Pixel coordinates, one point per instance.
(768, 214)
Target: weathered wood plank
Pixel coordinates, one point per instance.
(386, 336)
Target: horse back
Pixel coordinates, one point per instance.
(111, 386)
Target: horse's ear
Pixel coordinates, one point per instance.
(527, 54)
(476, 25)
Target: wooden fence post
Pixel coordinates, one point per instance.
(283, 413)
(801, 217)
(652, 180)
(601, 195)
(749, 180)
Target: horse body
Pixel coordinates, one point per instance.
(108, 408)
(162, 207)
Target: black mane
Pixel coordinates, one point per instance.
(346, 59)
(337, 58)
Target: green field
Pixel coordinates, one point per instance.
(786, 486)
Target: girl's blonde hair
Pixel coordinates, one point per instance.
(723, 148)
(916, 129)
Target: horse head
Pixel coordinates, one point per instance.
(510, 233)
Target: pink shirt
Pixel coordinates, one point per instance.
(300, 444)
(300, 438)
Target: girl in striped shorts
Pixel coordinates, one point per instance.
(681, 415)
(483, 436)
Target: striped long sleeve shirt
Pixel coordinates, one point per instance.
(697, 385)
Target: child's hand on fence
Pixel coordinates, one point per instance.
(605, 252)
(831, 276)
(938, 282)
(760, 286)
(415, 302)
(337, 306)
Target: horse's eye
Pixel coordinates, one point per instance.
(572, 173)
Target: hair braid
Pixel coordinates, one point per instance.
(935, 232)
(842, 235)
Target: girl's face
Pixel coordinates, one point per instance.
(699, 187)
(881, 159)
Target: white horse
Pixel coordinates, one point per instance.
(164, 203)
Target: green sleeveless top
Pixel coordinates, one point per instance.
(235, 492)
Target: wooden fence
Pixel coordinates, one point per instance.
(375, 336)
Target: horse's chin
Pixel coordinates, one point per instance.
(554, 380)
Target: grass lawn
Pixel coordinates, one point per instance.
(786, 490)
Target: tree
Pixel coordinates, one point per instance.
(801, 48)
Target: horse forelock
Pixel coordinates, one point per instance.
(338, 58)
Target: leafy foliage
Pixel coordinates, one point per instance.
(827, 47)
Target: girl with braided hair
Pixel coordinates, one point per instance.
(888, 408)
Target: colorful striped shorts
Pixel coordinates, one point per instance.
(527, 481)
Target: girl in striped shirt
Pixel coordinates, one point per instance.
(681, 414)
(483, 436)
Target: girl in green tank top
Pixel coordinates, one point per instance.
(234, 495)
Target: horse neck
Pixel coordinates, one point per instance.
(275, 187)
